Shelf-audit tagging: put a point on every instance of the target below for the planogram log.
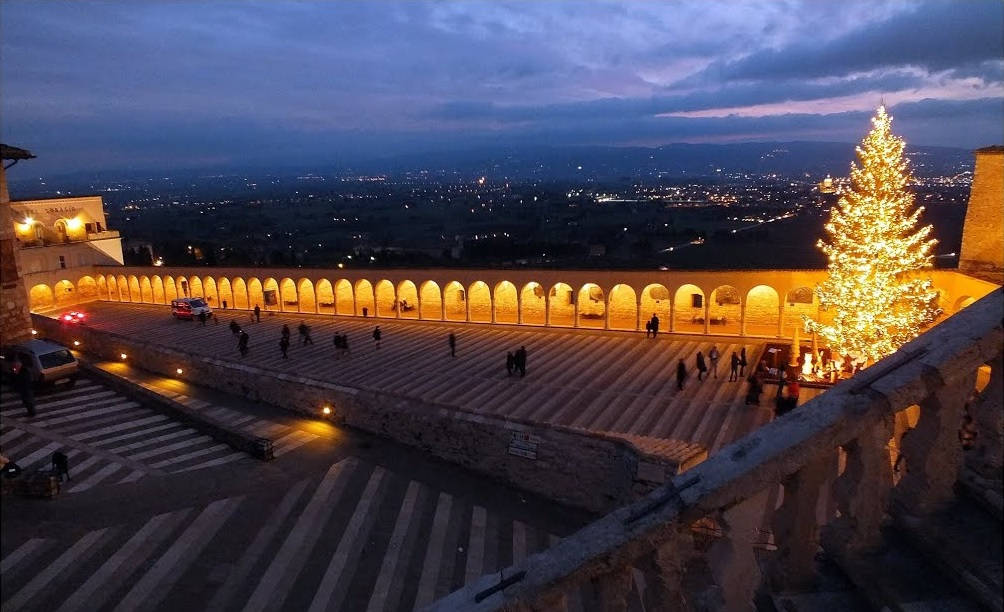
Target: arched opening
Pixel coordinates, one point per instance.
(407, 299)
(170, 289)
(365, 304)
(655, 301)
(145, 290)
(799, 302)
(195, 287)
(226, 293)
(963, 301)
(41, 298)
(102, 287)
(211, 294)
(561, 305)
(240, 289)
(113, 289)
(305, 291)
(256, 294)
(455, 302)
(87, 289)
(64, 294)
(344, 302)
(532, 304)
(386, 299)
(623, 308)
(479, 302)
(271, 298)
(592, 306)
(688, 310)
(431, 300)
(123, 287)
(325, 297)
(135, 294)
(288, 300)
(725, 310)
(158, 289)
(762, 311)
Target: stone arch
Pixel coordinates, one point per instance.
(41, 297)
(240, 289)
(102, 287)
(170, 289)
(688, 310)
(226, 292)
(407, 299)
(158, 289)
(305, 293)
(762, 311)
(506, 303)
(345, 303)
(288, 300)
(561, 306)
(591, 306)
(455, 302)
(145, 289)
(135, 294)
(123, 286)
(63, 293)
(725, 308)
(963, 302)
(181, 284)
(655, 301)
(385, 299)
(479, 302)
(622, 308)
(113, 289)
(256, 293)
(364, 298)
(431, 301)
(325, 297)
(212, 295)
(532, 304)
(87, 289)
(798, 302)
(272, 285)
(195, 288)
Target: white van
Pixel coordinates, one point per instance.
(189, 308)
(50, 364)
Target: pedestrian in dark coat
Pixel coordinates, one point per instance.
(452, 341)
(242, 343)
(285, 331)
(742, 362)
(234, 328)
(284, 346)
(648, 328)
(257, 313)
(681, 375)
(521, 361)
(754, 389)
(655, 325)
(345, 345)
(734, 367)
(304, 331)
(714, 356)
(224, 304)
(702, 367)
(510, 362)
(24, 382)
(377, 334)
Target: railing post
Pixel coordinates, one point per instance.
(862, 493)
(666, 564)
(933, 452)
(989, 421)
(732, 560)
(794, 525)
(613, 589)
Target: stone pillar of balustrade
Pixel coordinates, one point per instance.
(613, 589)
(666, 567)
(988, 418)
(861, 493)
(932, 451)
(732, 559)
(794, 524)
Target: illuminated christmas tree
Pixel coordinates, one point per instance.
(875, 250)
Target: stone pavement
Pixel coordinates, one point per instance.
(607, 381)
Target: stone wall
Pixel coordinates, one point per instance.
(15, 322)
(583, 469)
(983, 234)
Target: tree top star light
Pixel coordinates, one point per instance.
(875, 250)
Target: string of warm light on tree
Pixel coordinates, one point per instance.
(878, 300)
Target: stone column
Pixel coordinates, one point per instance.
(792, 567)
(707, 315)
(15, 319)
(672, 315)
(613, 590)
(988, 418)
(732, 559)
(742, 319)
(666, 564)
(933, 452)
(780, 319)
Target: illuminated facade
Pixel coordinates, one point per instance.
(63, 233)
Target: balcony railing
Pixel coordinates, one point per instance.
(91, 236)
(850, 424)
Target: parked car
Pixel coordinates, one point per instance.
(50, 363)
(189, 308)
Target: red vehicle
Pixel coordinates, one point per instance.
(72, 317)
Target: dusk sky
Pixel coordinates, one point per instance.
(131, 85)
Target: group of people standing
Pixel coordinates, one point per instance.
(652, 326)
(515, 361)
(737, 362)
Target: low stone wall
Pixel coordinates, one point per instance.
(583, 469)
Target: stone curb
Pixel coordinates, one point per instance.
(257, 447)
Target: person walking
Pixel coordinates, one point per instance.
(681, 375)
(377, 334)
(285, 332)
(734, 367)
(452, 341)
(284, 346)
(234, 327)
(24, 382)
(655, 325)
(742, 362)
(714, 356)
(521, 361)
(510, 362)
(257, 313)
(304, 330)
(224, 304)
(202, 318)
(702, 366)
(242, 343)
(345, 345)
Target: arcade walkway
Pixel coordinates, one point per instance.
(607, 381)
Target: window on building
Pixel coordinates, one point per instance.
(89, 228)
(98, 224)
(62, 261)
(39, 232)
(697, 300)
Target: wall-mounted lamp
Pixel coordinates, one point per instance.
(123, 356)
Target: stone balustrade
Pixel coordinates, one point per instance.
(837, 443)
